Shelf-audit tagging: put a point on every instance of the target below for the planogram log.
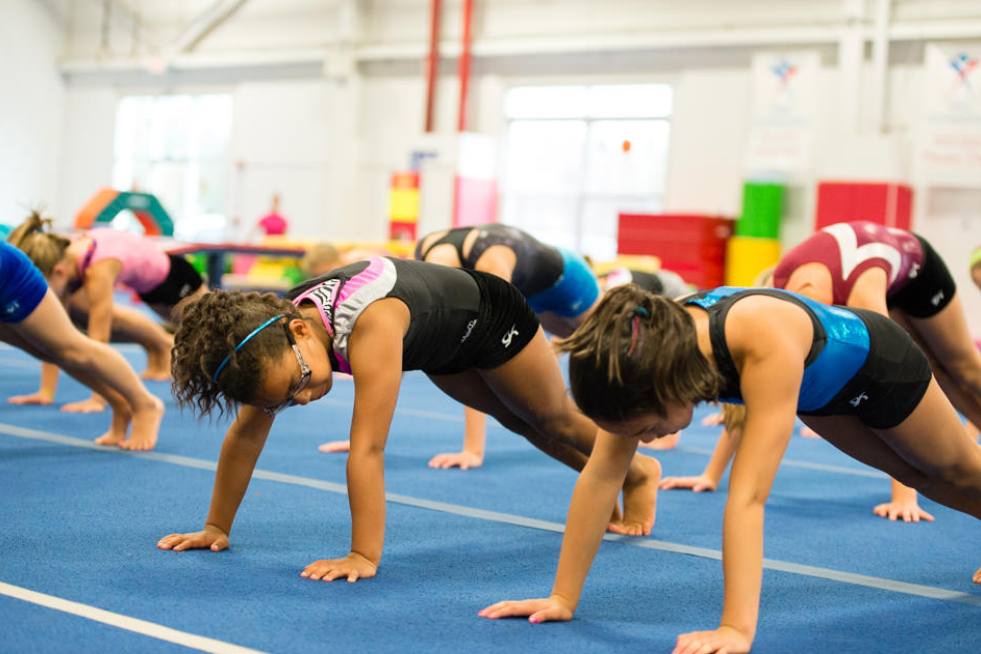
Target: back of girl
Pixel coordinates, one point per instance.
(640, 363)
(895, 273)
(89, 265)
(472, 333)
(557, 283)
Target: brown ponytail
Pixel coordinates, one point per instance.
(44, 248)
(634, 354)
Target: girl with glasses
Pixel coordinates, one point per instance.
(472, 333)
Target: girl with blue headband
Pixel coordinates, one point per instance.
(557, 283)
(472, 333)
(32, 319)
(640, 363)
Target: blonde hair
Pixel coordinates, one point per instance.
(733, 416)
(43, 248)
(319, 257)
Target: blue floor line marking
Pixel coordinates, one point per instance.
(879, 583)
(135, 625)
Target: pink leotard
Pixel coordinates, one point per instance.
(144, 265)
(849, 249)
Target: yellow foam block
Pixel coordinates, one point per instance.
(642, 262)
(747, 257)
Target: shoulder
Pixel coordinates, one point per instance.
(761, 327)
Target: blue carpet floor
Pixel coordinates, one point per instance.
(80, 523)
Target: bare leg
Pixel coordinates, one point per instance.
(99, 366)
(929, 451)
(531, 386)
(952, 351)
(121, 413)
(132, 326)
(474, 443)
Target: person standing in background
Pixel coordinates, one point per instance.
(273, 223)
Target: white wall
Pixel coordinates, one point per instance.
(32, 108)
(329, 144)
(87, 150)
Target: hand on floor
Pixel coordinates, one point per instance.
(462, 460)
(905, 511)
(353, 567)
(335, 447)
(723, 639)
(34, 398)
(546, 609)
(695, 484)
(210, 537)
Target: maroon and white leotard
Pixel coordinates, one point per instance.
(849, 249)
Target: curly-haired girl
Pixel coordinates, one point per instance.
(471, 333)
(640, 363)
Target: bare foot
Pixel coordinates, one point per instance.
(33, 398)
(146, 424)
(977, 577)
(111, 439)
(639, 499)
(335, 447)
(156, 374)
(807, 432)
(91, 405)
(668, 442)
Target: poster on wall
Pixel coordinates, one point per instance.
(948, 144)
(784, 97)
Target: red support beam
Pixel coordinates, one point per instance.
(432, 63)
(464, 67)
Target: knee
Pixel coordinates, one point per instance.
(75, 354)
(564, 422)
(964, 472)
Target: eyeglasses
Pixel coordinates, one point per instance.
(299, 385)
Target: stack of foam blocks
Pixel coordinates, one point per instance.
(692, 245)
(756, 243)
(886, 203)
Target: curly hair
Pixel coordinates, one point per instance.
(634, 354)
(43, 248)
(209, 331)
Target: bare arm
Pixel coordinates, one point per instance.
(589, 513)
(770, 385)
(99, 281)
(239, 453)
(376, 364)
(595, 493)
(724, 450)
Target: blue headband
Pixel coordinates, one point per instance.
(224, 362)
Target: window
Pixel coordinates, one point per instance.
(176, 147)
(578, 155)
